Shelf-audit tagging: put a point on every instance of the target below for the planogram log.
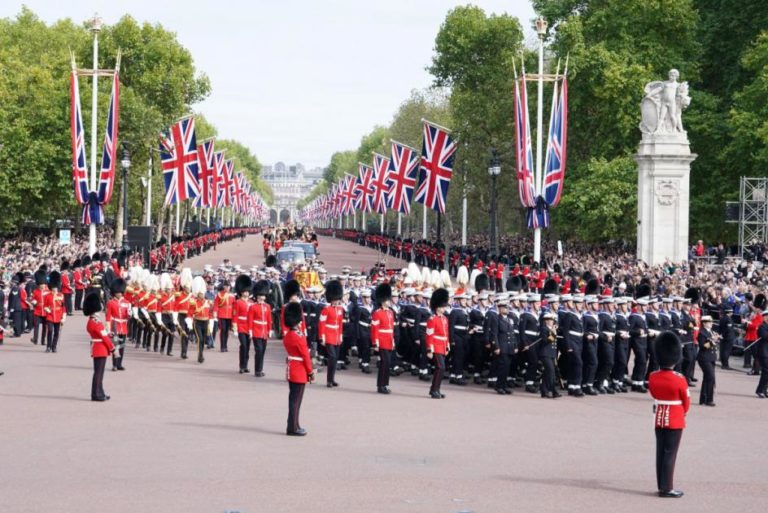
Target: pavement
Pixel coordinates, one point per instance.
(178, 436)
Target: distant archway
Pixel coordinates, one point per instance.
(272, 216)
(285, 215)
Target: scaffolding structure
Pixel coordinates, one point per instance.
(753, 212)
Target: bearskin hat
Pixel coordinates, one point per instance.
(122, 258)
(40, 277)
(19, 277)
(243, 283)
(261, 288)
(383, 293)
(668, 348)
(334, 291)
(292, 288)
(77, 264)
(91, 304)
(608, 280)
(643, 290)
(65, 264)
(557, 268)
(760, 301)
(118, 286)
(693, 294)
(86, 261)
(292, 314)
(440, 297)
(54, 280)
(514, 284)
(550, 287)
(481, 282)
(271, 261)
(593, 287)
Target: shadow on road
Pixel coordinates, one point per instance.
(58, 397)
(586, 484)
(229, 427)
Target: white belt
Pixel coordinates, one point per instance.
(410, 320)
(296, 358)
(422, 324)
(462, 328)
(242, 318)
(611, 333)
(364, 324)
(260, 322)
(334, 326)
(96, 341)
(120, 320)
(669, 403)
(441, 338)
(532, 333)
(576, 333)
(385, 331)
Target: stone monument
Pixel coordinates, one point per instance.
(664, 165)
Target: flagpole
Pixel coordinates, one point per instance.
(149, 191)
(362, 224)
(178, 215)
(399, 224)
(541, 28)
(382, 223)
(424, 224)
(95, 28)
(464, 217)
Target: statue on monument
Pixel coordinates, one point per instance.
(663, 104)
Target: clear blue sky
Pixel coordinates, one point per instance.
(295, 80)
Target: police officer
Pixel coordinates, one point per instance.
(707, 356)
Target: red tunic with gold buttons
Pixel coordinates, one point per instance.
(117, 313)
(437, 334)
(54, 307)
(383, 329)
(101, 344)
(670, 390)
(66, 286)
(298, 362)
(223, 304)
(38, 299)
(240, 315)
(260, 320)
(331, 324)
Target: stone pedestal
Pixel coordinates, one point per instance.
(663, 193)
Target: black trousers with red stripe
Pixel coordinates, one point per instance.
(295, 396)
(667, 444)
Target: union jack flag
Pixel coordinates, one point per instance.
(79, 166)
(227, 183)
(524, 153)
(178, 151)
(218, 171)
(206, 158)
(109, 154)
(347, 195)
(436, 169)
(237, 192)
(402, 177)
(363, 188)
(554, 166)
(381, 184)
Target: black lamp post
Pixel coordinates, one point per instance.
(494, 170)
(125, 163)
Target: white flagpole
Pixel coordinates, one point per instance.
(149, 191)
(362, 225)
(354, 219)
(464, 218)
(208, 217)
(178, 215)
(95, 28)
(399, 224)
(541, 28)
(424, 225)
(382, 223)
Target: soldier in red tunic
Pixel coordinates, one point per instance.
(437, 339)
(329, 328)
(38, 301)
(259, 326)
(117, 315)
(299, 369)
(383, 335)
(55, 312)
(222, 310)
(670, 391)
(101, 344)
(240, 322)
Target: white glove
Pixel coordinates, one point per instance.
(144, 311)
(188, 322)
(175, 316)
(210, 326)
(135, 312)
(159, 318)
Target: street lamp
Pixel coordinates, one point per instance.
(494, 170)
(125, 163)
